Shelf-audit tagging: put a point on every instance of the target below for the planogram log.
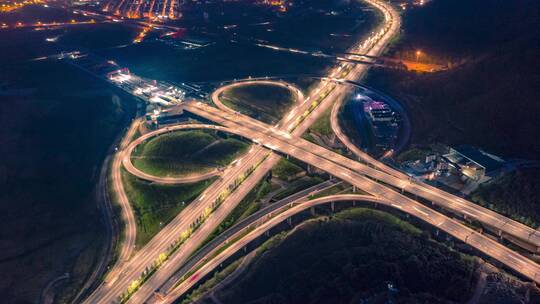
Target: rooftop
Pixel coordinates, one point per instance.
(488, 161)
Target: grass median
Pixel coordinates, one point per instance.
(156, 205)
(188, 152)
(267, 103)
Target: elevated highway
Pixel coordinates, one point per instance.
(361, 175)
(270, 218)
(130, 273)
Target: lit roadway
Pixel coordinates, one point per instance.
(245, 223)
(191, 178)
(354, 172)
(357, 173)
(117, 284)
(130, 271)
(118, 281)
(170, 267)
(296, 120)
(128, 218)
(271, 219)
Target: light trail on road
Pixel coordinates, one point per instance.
(314, 154)
(109, 293)
(476, 240)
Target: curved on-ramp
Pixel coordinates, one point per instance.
(495, 250)
(191, 178)
(299, 95)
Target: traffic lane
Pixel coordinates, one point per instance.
(167, 236)
(222, 238)
(482, 214)
(457, 230)
(210, 224)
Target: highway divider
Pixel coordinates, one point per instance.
(184, 236)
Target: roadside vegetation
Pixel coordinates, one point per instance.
(293, 177)
(267, 103)
(354, 257)
(285, 169)
(490, 89)
(187, 152)
(340, 188)
(358, 134)
(199, 292)
(249, 205)
(413, 154)
(298, 185)
(55, 134)
(156, 205)
(516, 195)
(322, 126)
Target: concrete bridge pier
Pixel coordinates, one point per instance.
(333, 206)
(289, 221)
(312, 211)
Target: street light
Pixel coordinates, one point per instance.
(418, 53)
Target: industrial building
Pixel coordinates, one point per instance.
(474, 163)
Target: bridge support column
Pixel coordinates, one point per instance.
(287, 156)
(500, 233)
(309, 169)
(436, 232)
(289, 221)
(312, 211)
(267, 233)
(332, 206)
(354, 189)
(354, 203)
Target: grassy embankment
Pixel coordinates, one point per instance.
(267, 103)
(252, 202)
(156, 205)
(187, 152)
(321, 127)
(352, 256)
(516, 195)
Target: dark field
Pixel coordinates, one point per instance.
(55, 134)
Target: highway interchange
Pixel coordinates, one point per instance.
(385, 185)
